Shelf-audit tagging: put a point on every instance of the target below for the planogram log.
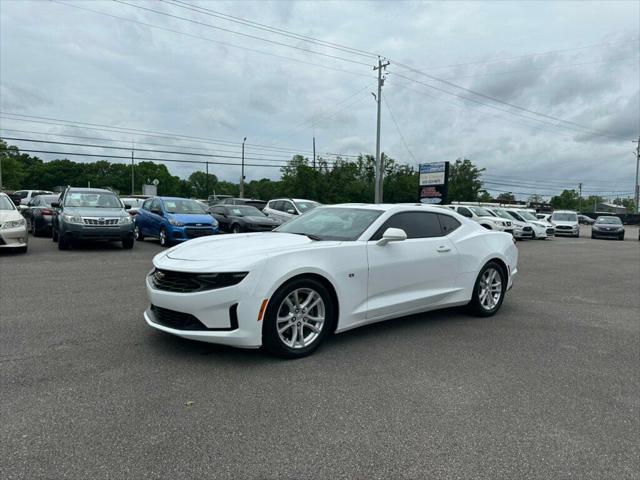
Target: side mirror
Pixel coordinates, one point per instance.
(127, 206)
(392, 235)
(291, 211)
(55, 204)
(22, 208)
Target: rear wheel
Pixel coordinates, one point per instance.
(235, 228)
(299, 317)
(489, 290)
(54, 234)
(34, 230)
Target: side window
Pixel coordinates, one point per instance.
(465, 212)
(22, 194)
(414, 224)
(147, 204)
(218, 210)
(156, 205)
(448, 223)
(277, 205)
(286, 206)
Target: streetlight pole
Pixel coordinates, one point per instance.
(242, 172)
(637, 186)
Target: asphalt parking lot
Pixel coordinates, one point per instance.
(549, 388)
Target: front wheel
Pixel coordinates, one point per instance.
(489, 290)
(54, 234)
(299, 317)
(621, 237)
(127, 243)
(235, 228)
(164, 241)
(137, 234)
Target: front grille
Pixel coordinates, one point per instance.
(182, 282)
(177, 320)
(198, 232)
(564, 227)
(550, 231)
(527, 229)
(100, 221)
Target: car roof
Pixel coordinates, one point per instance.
(88, 190)
(565, 211)
(385, 207)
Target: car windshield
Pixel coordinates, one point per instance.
(516, 216)
(527, 215)
(93, 200)
(306, 206)
(134, 202)
(335, 223)
(245, 211)
(49, 199)
(609, 220)
(564, 217)
(491, 212)
(6, 203)
(183, 206)
(479, 211)
(502, 213)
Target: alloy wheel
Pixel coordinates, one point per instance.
(163, 238)
(300, 318)
(490, 288)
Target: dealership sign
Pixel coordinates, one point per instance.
(434, 182)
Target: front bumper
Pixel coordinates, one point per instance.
(521, 235)
(182, 234)
(227, 316)
(567, 231)
(14, 237)
(607, 233)
(90, 232)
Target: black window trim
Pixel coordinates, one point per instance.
(381, 231)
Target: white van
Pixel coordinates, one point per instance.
(566, 223)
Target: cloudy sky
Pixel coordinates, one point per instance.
(559, 83)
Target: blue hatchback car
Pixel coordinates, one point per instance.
(173, 220)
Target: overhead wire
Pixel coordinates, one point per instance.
(404, 142)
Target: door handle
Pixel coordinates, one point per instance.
(443, 248)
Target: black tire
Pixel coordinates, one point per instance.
(235, 228)
(64, 242)
(164, 240)
(621, 237)
(476, 306)
(32, 226)
(22, 249)
(593, 236)
(127, 243)
(272, 340)
(54, 234)
(137, 234)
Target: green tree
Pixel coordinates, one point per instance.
(567, 200)
(485, 197)
(464, 180)
(506, 197)
(202, 185)
(535, 198)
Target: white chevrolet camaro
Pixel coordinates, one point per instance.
(330, 270)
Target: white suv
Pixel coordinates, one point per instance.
(566, 222)
(26, 195)
(483, 217)
(521, 230)
(540, 229)
(286, 208)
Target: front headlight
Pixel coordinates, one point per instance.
(72, 219)
(176, 223)
(14, 223)
(125, 220)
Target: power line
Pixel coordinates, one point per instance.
(218, 42)
(547, 181)
(517, 57)
(275, 30)
(152, 133)
(502, 102)
(110, 147)
(404, 142)
(247, 35)
(550, 188)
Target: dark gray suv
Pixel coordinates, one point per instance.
(91, 214)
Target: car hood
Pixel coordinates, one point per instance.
(9, 215)
(232, 252)
(260, 220)
(95, 212)
(192, 218)
(494, 219)
(611, 226)
(540, 224)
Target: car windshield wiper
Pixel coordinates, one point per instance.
(308, 235)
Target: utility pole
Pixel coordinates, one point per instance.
(132, 169)
(314, 152)
(378, 191)
(637, 186)
(207, 177)
(580, 197)
(242, 172)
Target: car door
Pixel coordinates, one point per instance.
(220, 213)
(142, 218)
(410, 275)
(155, 218)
